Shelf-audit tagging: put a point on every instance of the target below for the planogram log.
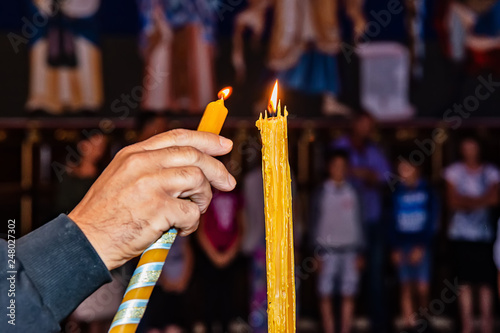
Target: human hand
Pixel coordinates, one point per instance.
(416, 255)
(141, 193)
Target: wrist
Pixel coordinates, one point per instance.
(90, 233)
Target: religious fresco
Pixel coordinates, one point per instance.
(65, 58)
(305, 42)
(178, 37)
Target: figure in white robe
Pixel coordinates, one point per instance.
(177, 38)
(65, 60)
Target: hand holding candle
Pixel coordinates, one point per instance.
(151, 263)
(278, 214)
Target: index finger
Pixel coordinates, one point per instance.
(208, 143)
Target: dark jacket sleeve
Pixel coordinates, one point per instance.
(54, 269)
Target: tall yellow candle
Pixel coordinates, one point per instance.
(278, 217)
(150, 265)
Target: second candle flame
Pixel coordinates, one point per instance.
(273, 101)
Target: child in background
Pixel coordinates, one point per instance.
(414, 223)
(338, 234)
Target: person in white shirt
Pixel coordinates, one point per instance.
(336, 220)
(472, 189)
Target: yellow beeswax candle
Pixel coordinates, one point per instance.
(215, 113)
(278, 214)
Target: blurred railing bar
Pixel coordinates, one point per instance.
(239, 122)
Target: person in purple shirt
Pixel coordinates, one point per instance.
(369, 167)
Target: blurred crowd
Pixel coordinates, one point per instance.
(368, 222)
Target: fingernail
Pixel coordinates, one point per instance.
(232, 181)
(226, 143)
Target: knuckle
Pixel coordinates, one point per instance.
(142, 184)
(190, 154)
(128, 163)
(183, 173)
(175, 150)
(196, 175)
(133, 161)
(179, 134)
(191, 210)
(194, 154)
(125, 151)
(190, 175)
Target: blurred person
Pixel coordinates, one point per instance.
(413, 226)
(472, 189)
(337, 228)
(220, 236)
(139, 196)
(168, 308)
(368, 168)
(80, 175)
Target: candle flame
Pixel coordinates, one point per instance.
(225, 93)
(273, 101)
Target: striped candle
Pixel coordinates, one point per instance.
(141, 285)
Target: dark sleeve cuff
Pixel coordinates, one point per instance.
(62, 264)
